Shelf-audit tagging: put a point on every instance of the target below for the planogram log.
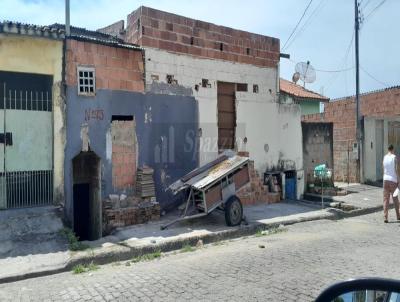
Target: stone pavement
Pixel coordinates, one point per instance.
(48, 254)
(289, 266)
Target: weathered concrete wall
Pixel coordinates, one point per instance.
(317, 147)
(258, 114)
(162, 125)
(41, 56)
(290, 142)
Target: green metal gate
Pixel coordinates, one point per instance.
(26, 148)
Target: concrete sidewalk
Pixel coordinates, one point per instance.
(30, 241)
(137, 240)
(359, 196)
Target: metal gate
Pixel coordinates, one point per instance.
(26, 146)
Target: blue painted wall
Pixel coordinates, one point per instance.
(163, 122)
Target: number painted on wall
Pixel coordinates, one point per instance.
(94, 114)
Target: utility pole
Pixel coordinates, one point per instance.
(359, 131)
(67, 20)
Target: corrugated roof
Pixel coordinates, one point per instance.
(205, 175)
(300, 92)
(96, 36)
(18, 28)
(220, 170)
(57, 31)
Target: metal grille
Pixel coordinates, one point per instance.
(26, 188)
(26, 175)
(27, 100)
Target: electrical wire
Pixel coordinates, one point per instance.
(343, 63)
(366, 4)
(327, 71)
(374, 10)
(335, 71)
(372, 77)
(307, 22)
(298, 23)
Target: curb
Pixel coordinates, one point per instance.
(124, 252)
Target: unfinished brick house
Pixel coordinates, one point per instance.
(112, 128)
(234, 76)
(381, 123)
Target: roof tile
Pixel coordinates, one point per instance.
(300, 92)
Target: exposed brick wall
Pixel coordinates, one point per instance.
(115, 29)
(116, 68)
(158, 29)
(342, 113)
(137, 214)
(255, 192)
(123, 154)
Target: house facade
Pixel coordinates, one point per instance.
(233, 75)
(32, 130)
(114, 128)
(381, 123)
(309, 101)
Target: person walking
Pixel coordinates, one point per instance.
(390, 182)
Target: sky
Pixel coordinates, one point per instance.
(322, 38)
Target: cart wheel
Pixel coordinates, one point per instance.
(233, 211)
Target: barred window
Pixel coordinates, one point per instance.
(86, 80)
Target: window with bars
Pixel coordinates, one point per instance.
(86, 80)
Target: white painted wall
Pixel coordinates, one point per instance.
(369, 150)
(373, 154)
(272, 133)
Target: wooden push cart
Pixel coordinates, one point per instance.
(214, 186)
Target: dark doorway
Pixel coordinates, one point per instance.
(87, 196)
(226, 115)
(82, 210)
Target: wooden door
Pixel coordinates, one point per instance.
(226, 116)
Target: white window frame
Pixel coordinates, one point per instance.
(86, 69)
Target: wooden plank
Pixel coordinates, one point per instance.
(213, 195)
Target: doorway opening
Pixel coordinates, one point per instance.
(87, 222)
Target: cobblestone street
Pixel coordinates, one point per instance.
(294, 265)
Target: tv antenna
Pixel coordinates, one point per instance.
(306, 72)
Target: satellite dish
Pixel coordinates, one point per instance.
(306, 71)
(296, 77)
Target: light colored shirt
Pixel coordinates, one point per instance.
(389, 167)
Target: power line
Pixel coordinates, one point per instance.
(343, 63)
(302, 16)
(372, 77)
(374, 10)
(335, 71)
(327, 70)
(366, 4)
(307, 22)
